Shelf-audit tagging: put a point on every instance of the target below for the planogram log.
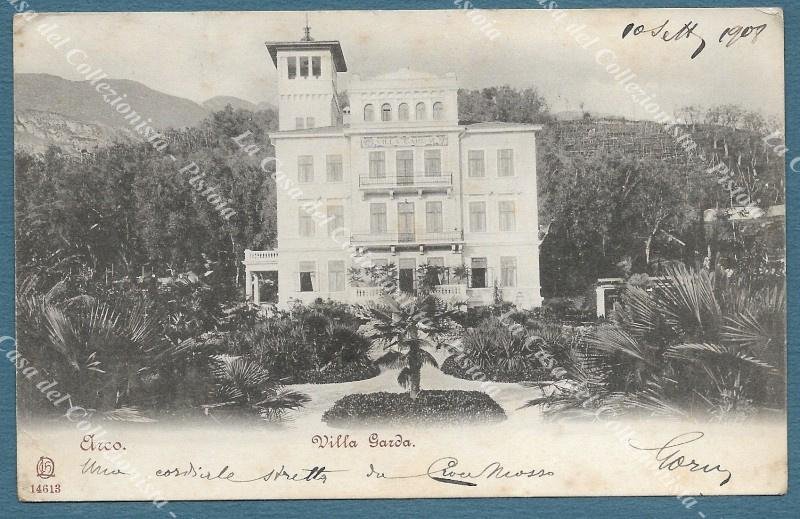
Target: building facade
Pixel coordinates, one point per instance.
(395, 179)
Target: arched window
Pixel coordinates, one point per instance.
(402, 112)
(420, 111)
(386, 112)
(438, 111)
(369, 113)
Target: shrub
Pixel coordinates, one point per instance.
(503, 350)
(322, 337)
(699, 342)
(431, 407)
(347, 373)
(461, 369)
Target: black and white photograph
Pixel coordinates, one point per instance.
(355, 254)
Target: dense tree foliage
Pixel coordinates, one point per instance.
(131, 207)
(502, 104)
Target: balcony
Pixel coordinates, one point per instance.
(454, 239)
(261, 260)
(417, 183)
(447, 293)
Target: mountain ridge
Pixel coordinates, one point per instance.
(52, 110)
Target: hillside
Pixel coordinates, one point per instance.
(80, 101)
(50, 110)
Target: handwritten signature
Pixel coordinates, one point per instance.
(446, 470)
(670, 456)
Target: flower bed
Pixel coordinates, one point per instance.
(347, 373)
(452, 367)
(432, 407)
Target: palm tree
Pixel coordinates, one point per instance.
(243, 385)
(693, 341)
(96, 353)
(403, 327)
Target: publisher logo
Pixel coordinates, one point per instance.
(45, 468)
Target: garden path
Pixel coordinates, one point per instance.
(510, 396)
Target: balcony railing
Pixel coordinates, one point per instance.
(418, 180)
(260, 256)
(445, 292)
(407, 238)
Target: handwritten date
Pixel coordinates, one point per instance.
(688, 30)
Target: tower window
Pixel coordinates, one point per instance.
(438, 111)
(291, 65)
(386, 112)
(420, 111)
(316, 66)
(304, 67)
(369, 113)
(402, 112)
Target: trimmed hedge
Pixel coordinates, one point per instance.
(432, 407)
(333, 375)
(531, 374)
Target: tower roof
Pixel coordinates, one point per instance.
(333, 46)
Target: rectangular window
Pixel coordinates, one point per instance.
(299, 123)
(310, 122)
(433, 217)
(305, 168)
(306, 226)
(308, 276)
(476, 164)
(291, 65)
(508, 271)
(336, 276)
(405, 166)
(406, 275)
(433, 163)
(333, 166)
(377, 164)
(405, 221)
(335, 218)
(477, 216)
(505, 163)
(377, 218)
(303, 67)
(478, 270)
(438, 270)
(316, 66)
(508, 216)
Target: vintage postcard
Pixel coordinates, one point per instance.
(361, 254)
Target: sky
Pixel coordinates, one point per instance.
(205, 54)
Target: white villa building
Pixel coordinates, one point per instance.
(394, 179)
